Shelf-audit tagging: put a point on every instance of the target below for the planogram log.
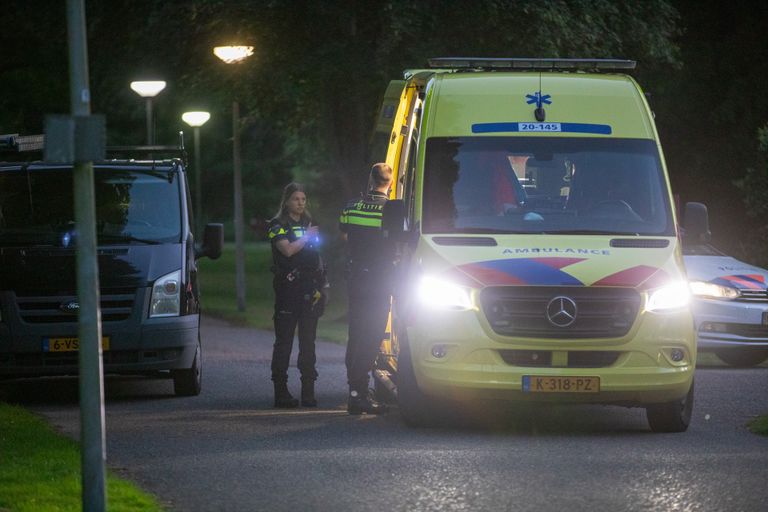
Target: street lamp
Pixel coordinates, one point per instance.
(234, 55)
(148, 89)
(196, 120)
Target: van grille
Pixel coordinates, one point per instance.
(116, 305)
(521, 311)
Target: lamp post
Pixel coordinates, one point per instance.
(235, 55)
(196, 120)
(148, 89)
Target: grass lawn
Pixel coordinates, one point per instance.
(40, 470)
(218, 296)
(759, 425)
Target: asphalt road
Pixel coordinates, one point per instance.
(229, 450)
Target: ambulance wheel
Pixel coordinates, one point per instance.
(671, 416)
(742, 358)
(416, 409)
(189, 382)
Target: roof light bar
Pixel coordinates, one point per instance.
(527, 63)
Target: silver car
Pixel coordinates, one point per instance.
(730, 305)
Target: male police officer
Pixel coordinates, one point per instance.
(370, 272)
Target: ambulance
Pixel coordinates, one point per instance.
(539, 246)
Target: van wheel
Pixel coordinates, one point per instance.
(742, 358)
(189, 382)
(416, 409)
(672, 416)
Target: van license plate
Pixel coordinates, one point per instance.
(68, 344)
(543, 384)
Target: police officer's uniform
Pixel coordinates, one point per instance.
(298, 283)
(369, 282)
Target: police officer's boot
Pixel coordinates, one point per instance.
(308, 393)
(361, 403)
(283, 398)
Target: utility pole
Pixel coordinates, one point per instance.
(79, 139)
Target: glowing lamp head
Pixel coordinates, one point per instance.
(148, 88)
(195, 119)
(233, 54)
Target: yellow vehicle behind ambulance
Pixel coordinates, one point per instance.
(540, 253)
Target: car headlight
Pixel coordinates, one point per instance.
(713, 291)
(165, 299)
(438, 294)
(670, 297)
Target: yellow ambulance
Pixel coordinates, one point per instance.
(539, 251)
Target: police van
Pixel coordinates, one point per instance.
(147, 257)
(540, 254)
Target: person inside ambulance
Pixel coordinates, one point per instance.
(488, 184)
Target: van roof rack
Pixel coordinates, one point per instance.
(530, 63)
(15, 143)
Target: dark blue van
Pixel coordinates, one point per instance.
(150, 302)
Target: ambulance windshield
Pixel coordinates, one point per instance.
(545, 185)
(132, 207)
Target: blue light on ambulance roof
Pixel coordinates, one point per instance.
(600, 129)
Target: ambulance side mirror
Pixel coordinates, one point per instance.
(393, 220)
(696, 223)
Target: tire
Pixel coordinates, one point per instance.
(672, 416)
(189, 382)
(742, 358)
(416, 409)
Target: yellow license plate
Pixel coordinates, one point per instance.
(542, 384)
(68, 344)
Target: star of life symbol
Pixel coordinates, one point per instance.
(561, 311)
(538, 99)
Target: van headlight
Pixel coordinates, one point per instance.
(439, 294)
(165, 296)
(673, 296)
(713, 291)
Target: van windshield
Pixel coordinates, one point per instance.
(545, 185)
(132, 207)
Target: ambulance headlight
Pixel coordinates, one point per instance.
(166, 299)
(439, 294)
(713, 291)
(673, 296)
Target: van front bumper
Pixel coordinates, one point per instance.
(157, 344)
(457, 356)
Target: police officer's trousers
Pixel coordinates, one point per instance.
(291, 311)
(368, 313)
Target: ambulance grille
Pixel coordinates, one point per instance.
(116, 305)
(521, 311)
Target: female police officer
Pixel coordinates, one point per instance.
(299, 283)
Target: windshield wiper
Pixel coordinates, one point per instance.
(127, 238)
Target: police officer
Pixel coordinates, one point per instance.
(370, 270)
(299, 283)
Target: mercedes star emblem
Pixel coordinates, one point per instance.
(561, 311)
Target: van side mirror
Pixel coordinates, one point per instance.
(393, 220)
(696, 223)
(213, 242)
